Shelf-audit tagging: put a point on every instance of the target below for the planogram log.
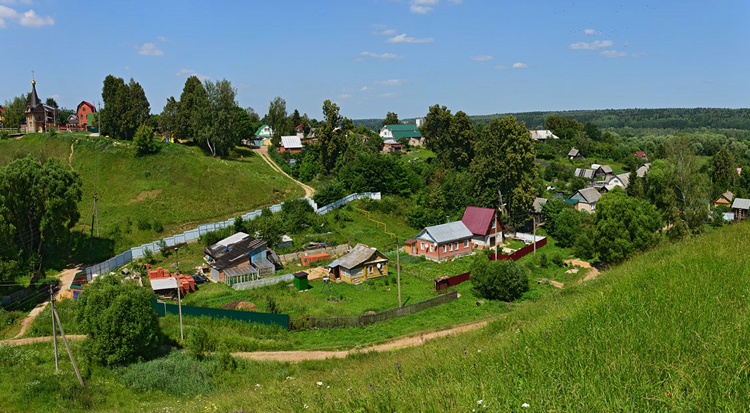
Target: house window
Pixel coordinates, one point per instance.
(432, 248)
(445, 248)
(466, 243)
(451, 247)
(371, 270)
(456, 245)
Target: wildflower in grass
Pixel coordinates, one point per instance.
(320, 383)
(306, 406)
(480, 401)
(546, 332)
(398, 367)
(475, 367)
(525, 405)
(370, 387)
(351, 392)
(465, 350)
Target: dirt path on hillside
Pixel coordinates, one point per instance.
(263, 152)
(65, 279)
(32, 340)
(70, 158)
(593, 272)
(403, 342)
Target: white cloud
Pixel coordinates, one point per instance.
(388, 95)
(592, 32)
(365, 89)
(613, 53)
(149, 49)
(190, 72)
(596, 44)
(519, 65)
(8, 13)
(392, 82)
(482, 58)
(382, 56)
(403, 38)
(344, 96)
(31, 19)
(385, 32)
(12, 2)
(422, 6)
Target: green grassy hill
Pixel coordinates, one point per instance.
(141, 199)
(665, 331)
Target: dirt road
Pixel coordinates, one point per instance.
(66, 277)
(411, 341)
(263, 152)
(32, 340)
(593, 272)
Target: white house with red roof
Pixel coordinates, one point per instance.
(485, 225)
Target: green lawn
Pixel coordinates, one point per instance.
(142, 199)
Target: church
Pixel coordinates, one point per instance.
(39, 117)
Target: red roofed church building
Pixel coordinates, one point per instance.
(485, 226)
(84, 108)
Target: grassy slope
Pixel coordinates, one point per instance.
(188, 186)
(665, 331)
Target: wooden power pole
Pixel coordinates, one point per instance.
(67, 347)
(398, 272)
(54, 333)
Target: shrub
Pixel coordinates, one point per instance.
(144, 224)
(148, 256)
(211, 238)
(543, 260)
(568, 224)
(498, 280)
(557, 259)
(158, 227)
(4, 135)
(121, 325)
(177, 374)
(199, 342)
(163, 249)
(144, 141)
(272, 306)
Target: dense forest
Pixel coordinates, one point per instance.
(713, 118)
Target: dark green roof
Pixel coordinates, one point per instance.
(404, 131)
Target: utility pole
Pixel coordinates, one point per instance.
(67, 347)
(94, 215)
(398, 271)
(54, 333)
(179, 304)
(534, 221)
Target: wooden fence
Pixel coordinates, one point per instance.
(309, 323)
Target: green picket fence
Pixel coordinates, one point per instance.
(247, 316)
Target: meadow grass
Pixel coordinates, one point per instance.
(142, 199)
(664, 331)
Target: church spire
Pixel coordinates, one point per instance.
(34, 101)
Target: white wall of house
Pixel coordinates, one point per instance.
(386, 133)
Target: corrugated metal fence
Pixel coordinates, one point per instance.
(249, 285)
(193, 234)
(247, 316)
(308, 323)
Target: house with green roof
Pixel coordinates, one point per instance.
(263, 135)
(403, 131)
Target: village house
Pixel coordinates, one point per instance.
(585, 173)
(612, 181)
(263, 136)
(740, 207)
(397, 132)
(603, 172)
(2, 115)
(444, 241)
(238, 258)
(391, 145)
(641, 155)
(82, 112)
(643, 170)
(39, 117)
(291, 144)
(485, 226)
(359, 265)
(575, 154)
(542, 135)
(538, 206)
(585, 199)
(724, 199)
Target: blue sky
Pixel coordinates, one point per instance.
(373, 56)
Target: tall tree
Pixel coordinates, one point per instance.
(138, 109)
(51, 102)
(168, 117)
(624, 225)
(15, 111)
(125, 107)
(391, 118)
(253, 116)
(222, 132)
(39, 205)
(504, 161)
(193, 111)
(458, 152)
(276, 117)
(331, 137)
(436, 128)
(295, 120)
(723, 171)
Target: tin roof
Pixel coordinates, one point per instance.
(291, 142)
(404, 131)
(741, 203)
(540, 135)
(452, 231)
(164, 284)
(358, 256)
